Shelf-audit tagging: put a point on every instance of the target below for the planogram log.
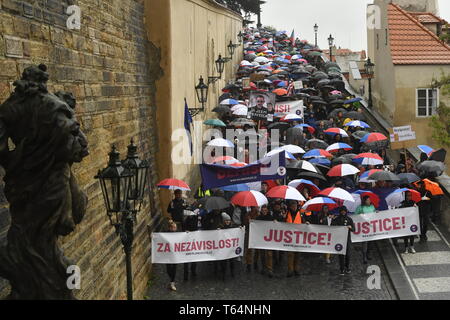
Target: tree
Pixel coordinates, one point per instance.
(441, 121)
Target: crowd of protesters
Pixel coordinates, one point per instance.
(327, 105)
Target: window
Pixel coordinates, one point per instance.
(427, 102)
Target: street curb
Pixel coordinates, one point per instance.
(396, 274)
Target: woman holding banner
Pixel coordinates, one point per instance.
(172, 268)
(266, 255)
(408, 202)
(251, 215)
(293, 216)
(365, 207)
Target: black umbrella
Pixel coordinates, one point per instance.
(323, 82)
(335, 112)
(278, 125)
(327, 87)
(438, 155)
(214, 203)
(408, 178)
(431, 168)
(355, 115)
(311, 175)
(222, 109)
(301, 165)
(316, 144)
(319, 102)
(337, 102)
(378, 145)
(309, 90)
(340, 160)
(242, 122)
(383, 176)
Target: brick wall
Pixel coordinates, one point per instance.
(111, 68)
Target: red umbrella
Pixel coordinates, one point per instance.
(317, 204)
(174, 184)
(249, 199)
(372, 137)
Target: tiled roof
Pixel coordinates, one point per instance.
(411, 42)
(427, 17)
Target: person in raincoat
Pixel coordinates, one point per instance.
(344, 220)
(365, 207)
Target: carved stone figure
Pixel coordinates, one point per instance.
(40, 139)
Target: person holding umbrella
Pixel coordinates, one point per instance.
(365, 207)
(344, 220)
(176, 209)
(424, 209)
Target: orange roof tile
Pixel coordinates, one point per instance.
(427, 17)
(411, 42)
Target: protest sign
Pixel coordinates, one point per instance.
(262, 106)
(297, 237)
(289, 107)
(386, 224)
(269, 168)
(182, 247)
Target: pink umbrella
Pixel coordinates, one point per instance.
(336, 92)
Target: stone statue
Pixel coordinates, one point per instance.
(40, 139)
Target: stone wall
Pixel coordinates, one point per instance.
(111, 68)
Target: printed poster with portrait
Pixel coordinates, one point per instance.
(262, 106)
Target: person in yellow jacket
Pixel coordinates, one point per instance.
(294, 215)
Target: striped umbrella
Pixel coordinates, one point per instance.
(428, 150)
(293, 149)
(220, 142)
(285, 192)
(342, 170)
(335, 131)
(320, 161)
(300, 184)
(336, 193)
(357, 195)
(395, 198)
(338, 146)
(238, 106)
(225, 159)
(307, 126)
(291, 117)
(373, 137)
(173, 184)
(317, 204)
(249, 199)
(317, 153)
(288, 155)
(368, 159)
(229, 102)
(365, 176)
(357, 123)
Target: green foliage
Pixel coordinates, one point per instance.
(440, 123)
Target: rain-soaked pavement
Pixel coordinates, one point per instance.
(317, 281)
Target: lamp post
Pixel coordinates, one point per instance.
(201, 91)
(316, 29)
(330, 43)
(231, 48)
(122, 182)
(369, 66)
(220, 66)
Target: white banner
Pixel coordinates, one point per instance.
(181, 247)
(286, 107)
(298, 237)
(386, 224)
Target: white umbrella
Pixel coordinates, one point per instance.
(237, 106)
(288, 155)
(293, 149)
(219, 142)
(261, 60)
(336, 193)
(241, 111)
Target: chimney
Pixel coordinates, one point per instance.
(419, 5)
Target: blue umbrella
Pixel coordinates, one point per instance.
(428, 150)
(353, 100)
(322, 161)
(236, 188)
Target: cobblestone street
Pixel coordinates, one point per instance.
(318, 281)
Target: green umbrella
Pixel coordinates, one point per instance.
(314, 53)
(215, 123)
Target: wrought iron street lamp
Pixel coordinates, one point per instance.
(330, 43)
(202, 96)
(220, 66)
(240, 37)
(316, 29)
(115, 181)
(370, 71)
(231, 48)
